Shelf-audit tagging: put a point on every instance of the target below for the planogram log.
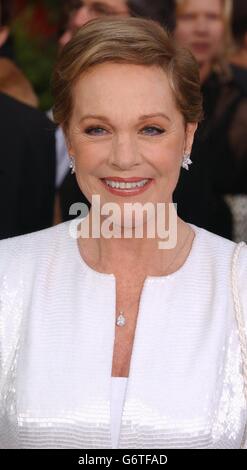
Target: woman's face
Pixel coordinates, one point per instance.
(200, 27)
(125, 123)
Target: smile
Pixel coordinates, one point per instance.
(115, 184)
(126, 187)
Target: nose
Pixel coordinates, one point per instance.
(124, 153)
(201, 25)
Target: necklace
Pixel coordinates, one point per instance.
(121, 319)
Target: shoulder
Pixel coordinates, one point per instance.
(14, 83)
(23, 113)
(12, 104)
(240, 77)
(215, 253)
(213, 245)
(31, 250)
(219, 266)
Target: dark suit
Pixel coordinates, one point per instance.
(27, 168)
(219, 155)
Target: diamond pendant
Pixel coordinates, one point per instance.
(121, 320)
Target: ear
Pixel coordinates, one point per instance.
(191, 128)
(70, 147)
(4, 32)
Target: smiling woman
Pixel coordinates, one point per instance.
(100, 335)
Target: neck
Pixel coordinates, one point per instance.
(205, 70)
(127, 255)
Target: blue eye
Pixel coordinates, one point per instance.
(153, 130)
(95, 131)
(150, 130)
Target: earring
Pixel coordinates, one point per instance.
(72, 165)
(186, 161)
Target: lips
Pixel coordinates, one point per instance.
(133, 179)
(200, 46)
(128, 191)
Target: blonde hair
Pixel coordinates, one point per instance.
(227, 9)
(130, 41)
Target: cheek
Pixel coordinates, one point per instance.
(217, 33)
(183, 32)
(166, 157)
(89, 156)
(169, 162)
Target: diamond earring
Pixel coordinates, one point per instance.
(72, 165)
(186, 161)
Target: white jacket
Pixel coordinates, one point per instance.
(57, 326)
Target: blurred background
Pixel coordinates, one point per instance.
(32, 42)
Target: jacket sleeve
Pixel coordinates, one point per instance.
(11, 308)
(242, 283)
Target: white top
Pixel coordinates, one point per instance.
(57, 328)
(118, 389)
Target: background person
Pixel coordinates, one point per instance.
(27, 168)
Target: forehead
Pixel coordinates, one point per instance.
(122, 89)
(200, 6)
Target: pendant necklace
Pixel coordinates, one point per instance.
(121, 319)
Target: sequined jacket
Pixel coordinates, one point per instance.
(57, 326)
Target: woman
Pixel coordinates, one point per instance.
(220, 146)
(94, 323)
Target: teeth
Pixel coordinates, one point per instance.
(118, 185)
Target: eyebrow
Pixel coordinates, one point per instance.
(141, 118)
(148, 116)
